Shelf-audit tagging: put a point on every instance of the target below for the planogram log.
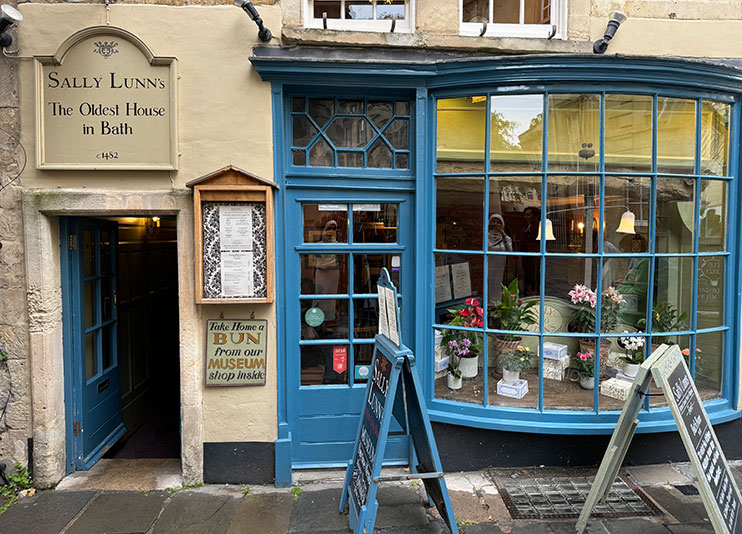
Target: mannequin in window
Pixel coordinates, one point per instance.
(497, 240)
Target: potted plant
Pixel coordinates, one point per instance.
(465, 346)
(584, 364)
(510, 313)
(453, 375)
(514, 362)
(585, 300)
(633, 347)
(665, 318)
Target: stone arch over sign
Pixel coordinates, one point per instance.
(104, 100)
(41, 210)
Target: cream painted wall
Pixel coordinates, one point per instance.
(224, 118)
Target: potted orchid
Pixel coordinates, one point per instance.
(633, 347)
(585, 300)
(510, 313)
(464, 346)
(584, 364)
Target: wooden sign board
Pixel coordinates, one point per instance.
(233, 225)
(715, 482)
(236, 352)
(393, 390)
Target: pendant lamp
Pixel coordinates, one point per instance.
(549, 232)
(626, 226)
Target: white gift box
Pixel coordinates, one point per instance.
(554, 351)
(616, 388)
(515, 391)
(554, 369)
(441, 363)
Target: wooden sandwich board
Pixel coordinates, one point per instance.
(715, 482)
(393, 390)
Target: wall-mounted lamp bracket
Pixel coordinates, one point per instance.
(601, 45)
(264, 34)
(8, 16)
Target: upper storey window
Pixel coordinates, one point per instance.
(514, 18)
(359, 15)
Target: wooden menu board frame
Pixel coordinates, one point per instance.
(231, 186)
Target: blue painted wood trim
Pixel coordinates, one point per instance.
(67, 337)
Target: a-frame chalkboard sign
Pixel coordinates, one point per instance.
(393, 390)
(715, 482)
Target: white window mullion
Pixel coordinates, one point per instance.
(522, 19)
(492, 11)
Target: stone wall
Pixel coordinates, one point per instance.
(15, 420)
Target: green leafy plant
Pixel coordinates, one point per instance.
(585, 301)
(296, 492)
(584, 364)
(518, 360)
(633, 347)
(512, 312)
(18, 481)
(3, 356)
(185, 486)
(665, 318)
(245, 489)
(463, 343)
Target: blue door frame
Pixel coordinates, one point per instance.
(92, 376)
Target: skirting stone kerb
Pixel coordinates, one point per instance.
(41, 211)
(250, 462)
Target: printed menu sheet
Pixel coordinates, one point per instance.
(236, 250)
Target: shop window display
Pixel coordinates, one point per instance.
(611, 240)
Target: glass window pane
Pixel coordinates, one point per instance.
(325, 223)
(506, 355)
(88, 260)
(673, 278)
(320, 109)
(356, 10)
(362, 356)
(574, 132)
(380, 112)
(398, 133)
(676, 135)
(460, 134)
(350, 132)
(628, 133)
(658, 400)
(458, 277)
(368, 269)
(709, 364)
(403, 161)
(629, 276)
(573, 314)
(537, 12)
(375, 223)
(713, 224)
(459, 213)
(562, 389)
(350, 159)
(573, 208)
(332, 9)
(90, 304)
(297, 102)
(299, 157)
(91, 360)
(402, 107)
(516, 123)
(303, 130)
(461, 358)
(320, 155)
(105, 253)
(392, 10)
(715, 128)
(318, 364)
(710, 292)
(106, 298)
(675, 215)
(324, 274)
(506, 286)
(627, 202)
(365, 318)
(350, 106)
(475, 11)
(108, 359)
(379, 156)
(327, 319)
(506, 11)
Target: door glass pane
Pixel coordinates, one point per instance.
(459, 213)
(107, 354)
(574, 132)
(106, 298)
(325, 223)
(88, 260)
(573, 208)
(672, 298)
(676, 136)
(324, 274)
(516, 123)
(91, 360)
(319, 364)
(90, 308)
(374, 223)
(626, 227)
(713, 229)
(362, 356)
(709, 364)
(320, 155)
(320, 109)
(460, 134)
(675, 215)
(105, 253)
(379, 155)
(710, 292)
(365, 318)
(628, 133)
(350, 132)
(715, 130)
(398, 134)
(350, 159)
(367, 269)
(324, 319)
(380, 112)
(303, 131)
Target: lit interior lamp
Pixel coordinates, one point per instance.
(581, 226)
(549, 232)
(626, 226)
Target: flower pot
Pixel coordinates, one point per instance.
(588, 382)
(588, 345)
(501, 347)
(469, 366)
(452, 382)
(510, 377)
(630, 369)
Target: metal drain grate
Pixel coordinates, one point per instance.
(562, 498)
(687, 489)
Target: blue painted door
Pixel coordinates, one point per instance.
(92, 371)
(336, 249)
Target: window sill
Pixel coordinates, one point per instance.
(516, 31)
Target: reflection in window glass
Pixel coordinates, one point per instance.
(627, 201)
(713, 225)
(562, 275)
(715, 128)
(676, 136)
(516, 122)
(628, 133)
(365, 318)
(367, 269)
(327, 319)
(573, 208)
(710, 292)
(459, 213)
(574, 132)
(324, 274)
(709, 350)
(460, 136)
(317, 364)
(325, 223)
(458, 277)
(673, 279)
(675, 215)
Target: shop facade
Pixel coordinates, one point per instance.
(547, 203)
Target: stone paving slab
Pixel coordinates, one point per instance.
(633, 526)
(190, 512)
(568, 527)
(48, 512)
(691, 528)
(684, 508)
(317, 511)
(265, 514)
(120, 513)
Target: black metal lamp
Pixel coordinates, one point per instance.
(264, 34)
(8, 16)
(601, 45)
